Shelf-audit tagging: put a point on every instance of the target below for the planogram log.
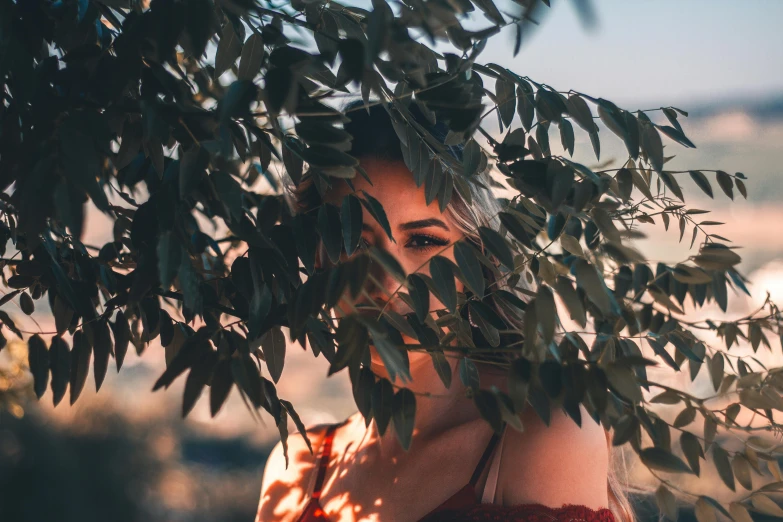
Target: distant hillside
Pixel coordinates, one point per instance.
(766, 108)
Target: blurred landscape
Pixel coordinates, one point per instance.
(125, 454)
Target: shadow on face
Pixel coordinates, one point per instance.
(419, 231)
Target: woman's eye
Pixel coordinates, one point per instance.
(364, 244)
(421, 241)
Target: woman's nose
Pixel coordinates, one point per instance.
(380, 284)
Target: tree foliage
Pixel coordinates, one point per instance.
(178, 121)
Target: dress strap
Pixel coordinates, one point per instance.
(323, 460)
(485, 456)
(490, 486)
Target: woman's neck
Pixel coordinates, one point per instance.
(438, 409)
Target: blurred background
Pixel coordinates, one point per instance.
(125, 454)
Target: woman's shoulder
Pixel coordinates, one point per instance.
(284, 483)
(555, 464)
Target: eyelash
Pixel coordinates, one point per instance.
(434, 242)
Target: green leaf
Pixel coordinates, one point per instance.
(306, 238)
(443, 279)
(702, 182)
(199, 375)
(721, 459)
(525, 104)
(672, 184)
(651, 143)
(389, 263)
(228, 50)
(81, 353)
(580, 112)
(468, 373)
(245, 374)
(362, 385)
(571, 244)
(685, 417)
(716, 370)
(352, 223)
(595, 141)
(122, 336)
(741, 468)
(251, 57)
(487, 405)
(487, 321)
(691, 448)
(26, 303)
(677, 135)
(542, 136)
(660, 350)
(741, 187)
(433, 180)
(382, 397)
(496, 244)
(81, 162)
(394, 359)
(504, 93)
(725, 183)
(739, 513)
(442, 366)
(562, 179)
(375, 209)
(38, 360)
(274, 345)
(766, 505)
(60, 365)
(625, 429)
(222, 382)
(514, 225)
(102, 348)
(519, 374)
(587, 278)
(471, 158)
(571, 299)
(667, 503)
(704, 511)
(624, 382)
(169, 258)
(330, 227)
(660, 459)
(470, 266)
(403, 416)
(567, 136)
(546, 313)
(192, 169)
(420, 294)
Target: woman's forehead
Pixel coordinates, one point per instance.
(391, 183)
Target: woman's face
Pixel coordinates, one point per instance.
(420, 232)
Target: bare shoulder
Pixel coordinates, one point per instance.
(553, 465)
(284, 487)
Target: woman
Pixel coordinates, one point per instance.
(456, 468)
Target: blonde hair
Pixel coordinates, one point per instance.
(617, 486)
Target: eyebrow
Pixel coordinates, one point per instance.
(414, 225)
(424, 223)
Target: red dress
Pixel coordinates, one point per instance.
(462, 506)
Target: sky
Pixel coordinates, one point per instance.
(661, 52)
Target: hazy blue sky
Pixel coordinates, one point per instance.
(661, 51)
